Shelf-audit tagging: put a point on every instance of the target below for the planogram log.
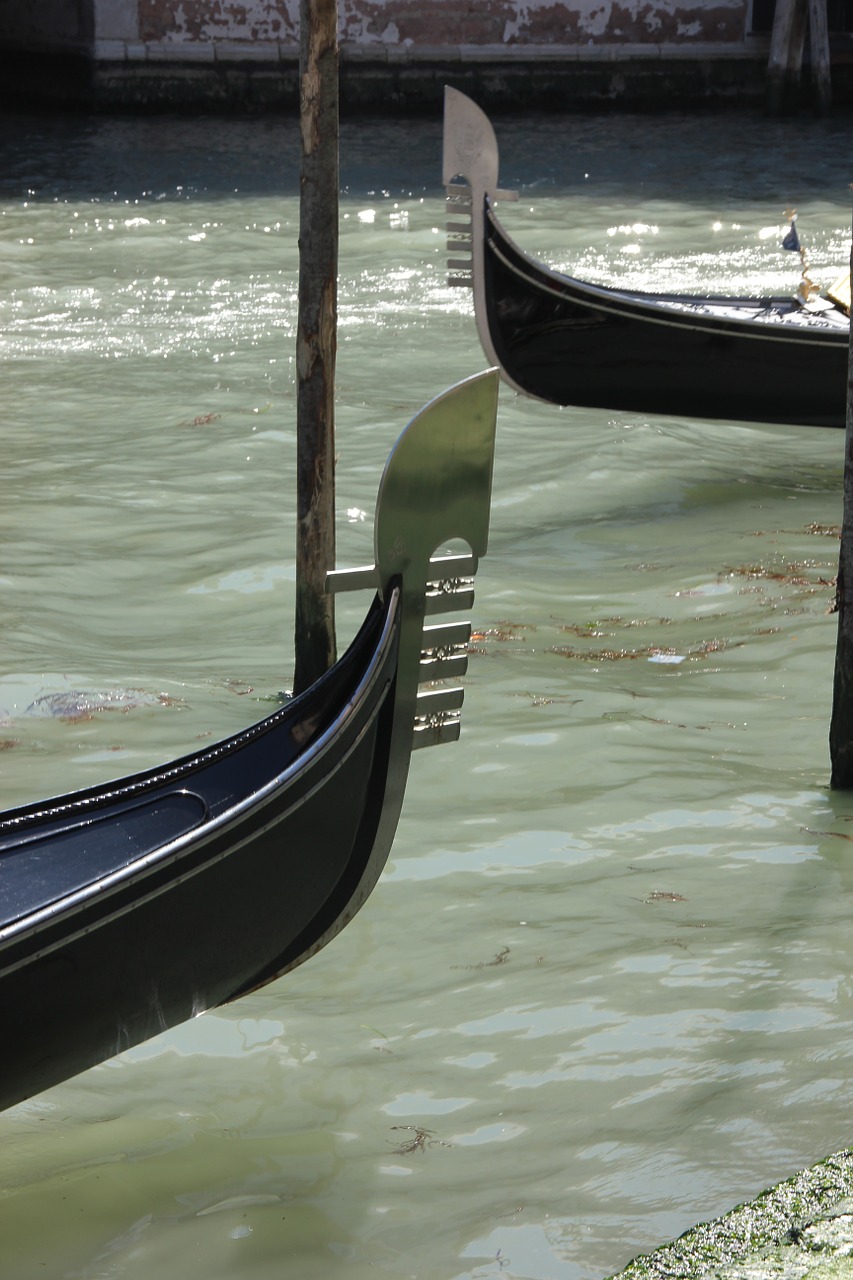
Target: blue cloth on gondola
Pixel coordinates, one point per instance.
(791, 240)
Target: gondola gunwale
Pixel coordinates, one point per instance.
(651, 308)
(204, 833)
(173, 769)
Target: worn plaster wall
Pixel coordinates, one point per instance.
(263, 29)
(220, 54)
(188, 21)
(540, 22)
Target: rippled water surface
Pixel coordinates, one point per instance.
(603, 989)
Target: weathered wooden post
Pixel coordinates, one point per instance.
(787, 41)
(841, 724)
(316, 340)
(819, 45)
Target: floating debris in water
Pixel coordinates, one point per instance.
(422, 1139)
(503, 631)
(78, 704)
(548, 700)
(202, 420)
(791, 575)
(239, 687)
(595, 655)
(607, 626)
(652, 653)
(500, 957)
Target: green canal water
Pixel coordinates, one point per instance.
(603, 989)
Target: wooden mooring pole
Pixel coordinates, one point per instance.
(819, 48)
(841, 724)
(791, 21)
(316, 340)
(784, 65)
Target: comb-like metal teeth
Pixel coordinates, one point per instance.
(446, 635)
(460, 270)
(446, 665)
(434, 702)
(434, 733)
(445, 651)
(448, 595)
(437, 716)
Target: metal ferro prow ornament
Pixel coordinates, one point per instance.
(436, 488)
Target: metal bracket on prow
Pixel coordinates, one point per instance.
(444, 647)
(459, 208)
(444, 652)
(470, 153)
(435, 492)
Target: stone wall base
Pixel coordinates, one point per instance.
(642, 78)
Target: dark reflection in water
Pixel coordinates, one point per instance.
(699, 159)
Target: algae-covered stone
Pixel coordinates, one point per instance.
(801, 1229)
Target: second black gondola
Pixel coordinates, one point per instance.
(569, 342)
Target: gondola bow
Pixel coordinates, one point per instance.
(569, 342)
(135, 905)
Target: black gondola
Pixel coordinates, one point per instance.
(560, 339)
(132, 906)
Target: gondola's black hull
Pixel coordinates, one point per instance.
(96, 967)
(563, 341)
(135, 905)
(570, 342)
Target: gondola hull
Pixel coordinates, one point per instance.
(133, 906)
(570, 342)
(234, 869)
(573, 344)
